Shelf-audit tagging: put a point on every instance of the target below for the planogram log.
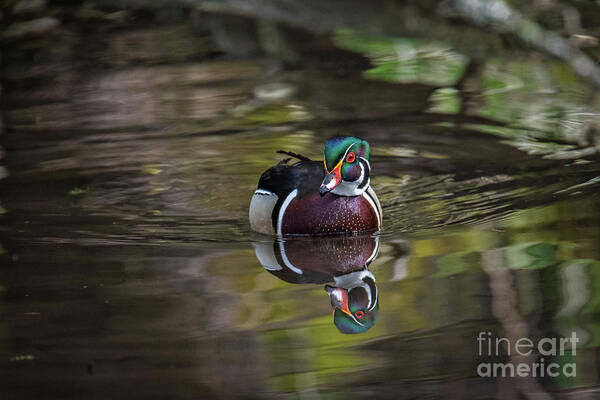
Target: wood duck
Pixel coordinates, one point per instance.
(342, 261)
(318, 198)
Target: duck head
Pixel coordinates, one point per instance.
(347, 166)
(355, 301)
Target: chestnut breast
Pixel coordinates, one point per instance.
(313, 214)
(336, 255)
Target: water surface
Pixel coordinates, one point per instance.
(127, 260)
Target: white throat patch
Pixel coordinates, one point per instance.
(355, 279)
(346, 188)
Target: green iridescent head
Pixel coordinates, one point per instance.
(349, 324)
(356, 308)
(346, 162)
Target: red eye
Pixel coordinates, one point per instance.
(350, 157)
(359, 314)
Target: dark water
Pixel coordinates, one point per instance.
(129, 271)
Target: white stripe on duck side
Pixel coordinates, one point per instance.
(266, 256)
(284, 206)
(286, 261)
(374, 253)
(371, 197)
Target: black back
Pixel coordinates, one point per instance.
(305, 175)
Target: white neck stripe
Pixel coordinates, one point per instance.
(346, 188)
(367, 161)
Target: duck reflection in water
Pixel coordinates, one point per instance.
(339, 262)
